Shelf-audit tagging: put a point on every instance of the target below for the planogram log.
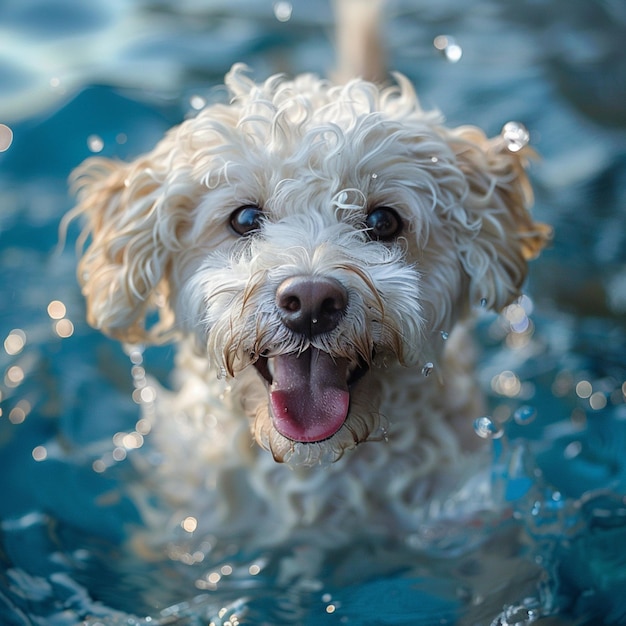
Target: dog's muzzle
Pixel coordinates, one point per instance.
(309, 391)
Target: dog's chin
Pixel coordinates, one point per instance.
(315, 410)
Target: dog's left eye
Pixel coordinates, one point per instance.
(246, 219)
(383, 223)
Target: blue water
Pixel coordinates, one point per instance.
(110, 76)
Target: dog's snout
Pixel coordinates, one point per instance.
(311, 305)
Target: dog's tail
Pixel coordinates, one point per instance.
(360, 52)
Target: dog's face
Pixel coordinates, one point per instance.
(307, 236)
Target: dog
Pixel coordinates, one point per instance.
(315, 249)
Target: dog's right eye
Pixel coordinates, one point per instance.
(246, 220)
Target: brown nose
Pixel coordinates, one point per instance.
(311, 305)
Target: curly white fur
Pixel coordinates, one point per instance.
(317, 158)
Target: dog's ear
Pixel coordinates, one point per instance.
(125, 260)
(499, 236)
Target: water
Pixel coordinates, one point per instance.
(109, 78)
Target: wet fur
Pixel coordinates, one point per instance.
(317, 157)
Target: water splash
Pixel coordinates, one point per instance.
(528, 612)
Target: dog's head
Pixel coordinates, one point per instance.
(310, 234)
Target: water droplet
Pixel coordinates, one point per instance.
(525, 415)
(584, 389)
(515, 135)
(598, 401)
(15, 341)
(95, 143)
(483, 302)
(283, 11)
(572, 450)
(6, 137)
(374, 176)
(427, 369)
(519, 615)
(448, 47)
(64, 328)
(56, 310)
(40, 453)
(197, 102)
(486, 428)
(444, 335)
(189, 524)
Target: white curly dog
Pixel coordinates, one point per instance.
(314, 249)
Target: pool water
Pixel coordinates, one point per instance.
(109, 77)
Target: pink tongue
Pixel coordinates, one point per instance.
(309, 397)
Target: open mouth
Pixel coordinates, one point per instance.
(309, 392)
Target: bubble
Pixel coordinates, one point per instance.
(283, 11)
(525, 415)
(448, 47)
(444, 335)
(486, 428)
(427, 369)
(483, 303)
(515, 135)
(6, 137)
